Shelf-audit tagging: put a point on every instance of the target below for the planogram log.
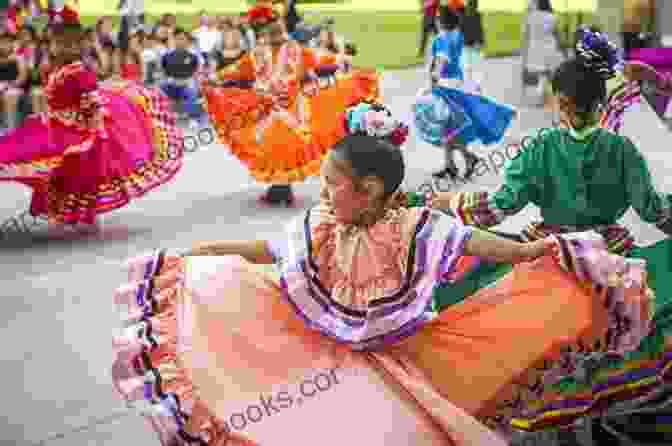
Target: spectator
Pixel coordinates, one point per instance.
(292, 17)
(104, 59)
(180, 66)
(232, 49)
(153, 51)
(26, 43)
(105, 30)
(165, 36)
(39, 77)
(132, 16)
(90, 48)
(129, 60)
(169, 21)
(14, 77)
(207, 36)
(429, 11)
(246, 31)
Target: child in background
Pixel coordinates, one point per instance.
(129, 60)
(450, 115)
(14, 77)
(180, 67)
(26, 43)
(39, 76)
(152, 52)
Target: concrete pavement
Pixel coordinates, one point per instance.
(58, 316)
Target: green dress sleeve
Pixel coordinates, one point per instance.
(651, 205)
(415, 199)
(487, 209)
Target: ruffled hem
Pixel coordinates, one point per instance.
(631, 382)
(111, 195)
(279, 152)
(51, 195)
(627, 382)
(587, 378)
(147, 371)
(299, 174)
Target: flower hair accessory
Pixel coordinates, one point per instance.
(260, 16)
(66, 16)
(599, 54)
(375, 119)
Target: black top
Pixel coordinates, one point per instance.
(292, 17)
(9, 71)
(472, 28)
(180, 64)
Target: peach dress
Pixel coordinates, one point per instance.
(211, 333)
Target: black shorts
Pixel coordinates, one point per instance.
(428, 23)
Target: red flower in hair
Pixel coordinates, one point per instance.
(66, 16)
(399, 135)
(70, 16)
(261, 13)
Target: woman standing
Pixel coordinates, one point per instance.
(542, 53)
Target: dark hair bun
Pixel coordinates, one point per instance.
(597, 54)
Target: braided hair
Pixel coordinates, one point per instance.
(583, 78)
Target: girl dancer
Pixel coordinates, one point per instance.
(282, 127)
(96, 148)
(451, 117)
(584, 178)
(363, 276)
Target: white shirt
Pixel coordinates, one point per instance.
(132, 8)
(207, 39)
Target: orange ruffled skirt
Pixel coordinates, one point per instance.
(286, 153)
(203, 347)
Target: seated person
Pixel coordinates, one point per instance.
(153, 51)
(180, 67)
(14, 77)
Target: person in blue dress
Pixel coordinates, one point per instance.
(449, 115)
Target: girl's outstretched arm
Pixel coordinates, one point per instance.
(501, 250)
(254, 251)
